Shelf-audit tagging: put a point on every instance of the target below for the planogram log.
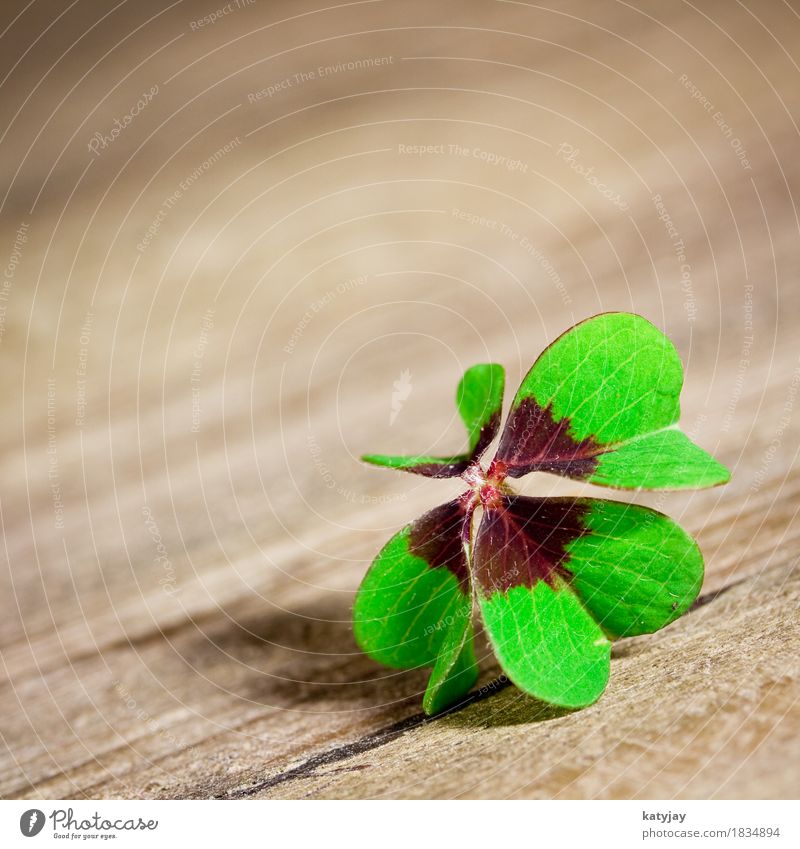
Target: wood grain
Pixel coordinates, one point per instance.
(184, 518)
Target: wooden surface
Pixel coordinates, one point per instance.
(184, 518)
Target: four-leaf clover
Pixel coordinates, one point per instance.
(555, 579)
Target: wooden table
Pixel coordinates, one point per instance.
(205, 307)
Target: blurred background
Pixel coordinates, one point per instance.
(245, 243)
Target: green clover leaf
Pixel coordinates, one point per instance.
(555, 579)
(601, 404)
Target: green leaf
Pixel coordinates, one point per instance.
(601, 404)
(548, 567)
(479, 399)
(414, 590)
(455, 670)
(667, 459)
(634, 569)
(547, 643)
(615, 376)
(431, 467)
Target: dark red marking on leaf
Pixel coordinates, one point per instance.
(450, 469)
(523, 540)
(488, 433)
(437, 537)
(533, 441)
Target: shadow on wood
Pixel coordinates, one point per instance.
(305, 659)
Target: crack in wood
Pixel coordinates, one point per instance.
(374, 740)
